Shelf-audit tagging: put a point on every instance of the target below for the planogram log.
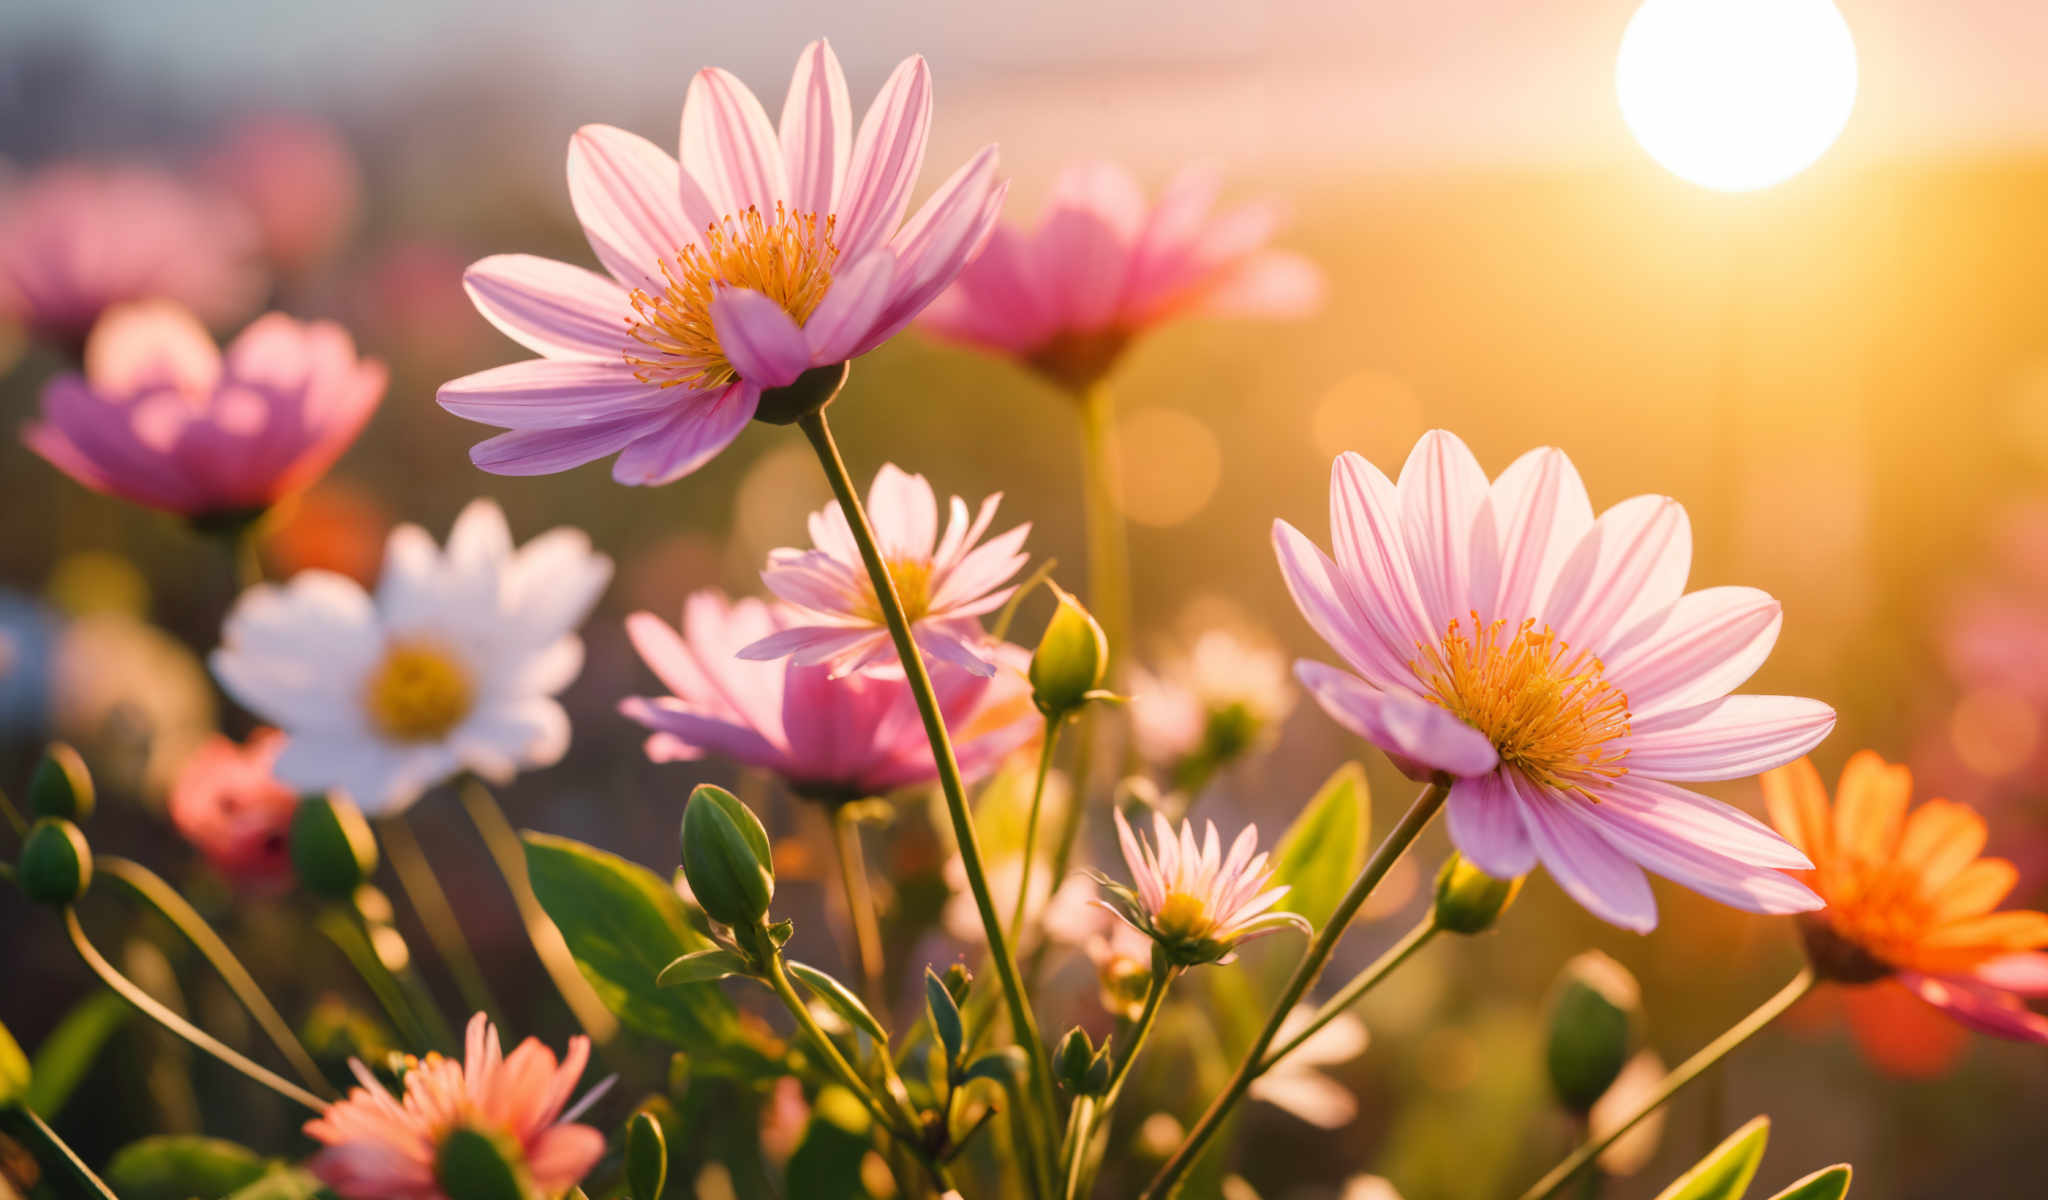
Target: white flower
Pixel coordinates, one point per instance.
(1294, 1085)
(1222, 697)
(453, 665)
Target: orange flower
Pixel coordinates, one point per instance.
(1908, 897)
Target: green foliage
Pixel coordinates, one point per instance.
(69, 1050)
(473, 1165)
(826, 1165)
(283, 1183)
(1829, 1183)
(14, 1072)
(61, 786)
(333, 850)
(703, 966)
(183, 1168)
(726, 857)
(840, 999)
(1725, 1172)
(945, 1014)
(646, 1157)
(56, 862)
(1322, 851)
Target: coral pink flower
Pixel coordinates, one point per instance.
(1196, 903)
(945, 583)
(297, 179)
(842, 738)
(383, 1148)
(164, 419)
(1102, 268)
(1555, 666)
(767, 252)
(76, 240)
(228, 802)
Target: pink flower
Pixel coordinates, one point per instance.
(767, 252)
(1193, 901)
(383, 1148)
(228, 803)
(945, 583)
(842, 738)
(164, 419)
(1555, 666)
(76, 240)
(1101, 268)
(297, 179)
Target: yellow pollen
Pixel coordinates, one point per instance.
(787, 257)
(913, 578)
(419, 693)
(1182, 917)
(1548, 709)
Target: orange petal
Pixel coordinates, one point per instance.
(1798, 803)
(1869, 803)
(1941, 838)
(1977, 889)
(1992, 933)
(1900, 1034)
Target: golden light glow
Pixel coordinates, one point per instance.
(1736, 95)
(1172, 464)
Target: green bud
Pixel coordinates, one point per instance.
(56, 862)
(333, 850)
(1096, 1081)
(61, 786)
(1070, 1061)
(1071, 659)
(646, 1157)
(1468, 900)
(958, 979)
(1592, 1028)
(475, 1165)
(726, 858)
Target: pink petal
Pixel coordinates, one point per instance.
(1323, 599)
(1983, 1009)
(1083, 248)
(1728, 739)
(624, 190)
(763, 343)
(551, 308)
(1631, 564)
(905, 514)
(995, 301)
(1414, 732)
(1442, 493)
(1699, 650)
(1486, 826)
(700, 734)
(816, 130)
(728, 147)
(937, 243)
(1541, 512)
(1586, 865)
(2024, 974)
(542, 393)
(1366, 533)
(1699, 820)
(1271, 285)
(887, 154)
(806, 645)
(546, 451)
(851, 309)
(688, 439)
(949, 646)
(1717, 876)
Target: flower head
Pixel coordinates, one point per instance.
(767, 252)
(1102, 267)
(162, 418)
(452, 665)
(381, 1147)
(229, 803)
(945, 582)
(1909, 900)
(1194, 901)
(298, 181)
(836, 738)
(1212, 705)
(1555, 667)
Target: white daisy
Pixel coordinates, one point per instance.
(453, 665)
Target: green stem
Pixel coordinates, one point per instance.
(510, 854)
(1045, 752)
(1397, 841)
(1683, 1074)
(1109, 553)
(1024, 1026)
(1415, 939)
(249, 556)
(860, 906)
(349, 932)
(26, 1126)
(1088, 1112)
(174, 908)
(13, 817)
(148, 1004)
(430, 904)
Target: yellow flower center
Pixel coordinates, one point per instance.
(419, 693)
(787, 257)
(913, 578)
(1182, 917)
(1548, 709)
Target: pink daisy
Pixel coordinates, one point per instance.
(834, 738)
(229, 803)
(383, 1148)
(945, 582)
(1103, 266)
(767, 252)
(1195, 902)
(1554, 666)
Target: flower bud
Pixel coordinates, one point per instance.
(1071, 659)
(1592, 1028)
(61, 786)
(475, 1165)
(1070, 1061)
(1468, 900)
(726, 858)
(958, 979)
(56, 862)
(646, 1157)
(333, 851)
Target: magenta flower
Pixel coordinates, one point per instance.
(229, 803)
(834, 738)
(162, 418)
(299, 182)
(76, 240)
(1555, 666)
(1196, 903)
(1102, 267)
(945, 583)
(767, 252)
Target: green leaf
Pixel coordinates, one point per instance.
(1724, 1174)
(474, 1165)
(826, 1165)
(183, 1168)
(840, 999)
(623, 925)
(1829, 1183)
(1006, 1066)
(945, 1017)
(67, 1054)
(703, 966)
(646, 1157)
(283, 1183)
(14, 1073)
(1321, 853)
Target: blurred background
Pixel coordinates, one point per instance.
(1843, 377)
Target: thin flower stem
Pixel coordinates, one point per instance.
(1047, 744)
(1024, 1026)
(860, 906)
(1383, 859)
(174, 908)
(1687, 1071)
(1000, 627)
(151, 1008)
(1088, 1111)
(430, 904)
(1415, 939)
(349, 932)
(8, 811)
(27, 1127)
(1109, 554)
(510, 854)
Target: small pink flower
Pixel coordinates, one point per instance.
(380, 1147)
(1195, 902)
(945, 583)
(76, 240)
(298, 180)
(765, 253)
(162, 418)
(840, 738)
(228, 802)
(1102, 267)
(1555, 666)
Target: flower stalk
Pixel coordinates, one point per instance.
(1366, 980)
(430, 904)
(860, 903)
(1047, 745)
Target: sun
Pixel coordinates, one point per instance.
(1736, 95)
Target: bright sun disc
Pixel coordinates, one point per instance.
(1736, 94)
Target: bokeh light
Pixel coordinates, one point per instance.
(1172, 463)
